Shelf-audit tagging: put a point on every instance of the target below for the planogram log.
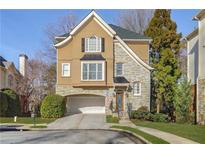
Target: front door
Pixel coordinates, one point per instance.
(119, 101)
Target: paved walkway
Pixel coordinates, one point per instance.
(171, 138)
(80, 121)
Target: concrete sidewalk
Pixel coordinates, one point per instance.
(171, 138)
(80, 121)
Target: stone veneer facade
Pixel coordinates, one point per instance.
(132, 71)
(201, 101)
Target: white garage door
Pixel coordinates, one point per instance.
(86, 104)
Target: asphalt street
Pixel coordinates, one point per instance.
(67, 137)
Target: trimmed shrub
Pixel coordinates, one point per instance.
(53, 106)
(14, 108)
(157, 117)
(3, 104)
(160, 117)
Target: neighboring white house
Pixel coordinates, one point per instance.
(196, 64)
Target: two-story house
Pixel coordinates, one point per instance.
(196, 63)
(103, 68)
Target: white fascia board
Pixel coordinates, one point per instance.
(103, 27)
(143, 40)
(60, 37)
(62, 42)
(132, 54)
(104, 23)
(98, 19)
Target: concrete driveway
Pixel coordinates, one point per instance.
(67, 137)
(80, 121)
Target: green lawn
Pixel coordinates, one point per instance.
(152, 139)
(26, 120)
(111, 119)
(39, 126)
(192, 132)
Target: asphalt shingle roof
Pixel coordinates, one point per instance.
(122, 33)
(120, 79)
(127, 34)
(2, 60)
(92, 57)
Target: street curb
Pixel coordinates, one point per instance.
(129, 132)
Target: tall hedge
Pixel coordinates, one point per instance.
(3, 104)
(14, 107)
(53, 106)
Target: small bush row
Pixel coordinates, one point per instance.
(143, 114)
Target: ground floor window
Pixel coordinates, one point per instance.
(137, 88)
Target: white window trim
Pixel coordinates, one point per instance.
(139, 94)
(116, 69)
(97, 44)
(68, 70)
(93, 62)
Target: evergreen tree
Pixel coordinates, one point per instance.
(165, 46)
(182, 101)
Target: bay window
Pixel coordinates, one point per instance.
(92, 71)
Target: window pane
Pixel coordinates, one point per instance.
(85, 75)
(119, 69)
(85, 67)
(136, 88)
(92, 71)
(99, 44)
(65, 67)
(92, 67)
(99, 75)
(66, 70)
(92, 75)
(99, 67)
(92, 44)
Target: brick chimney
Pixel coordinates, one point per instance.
(23, 64)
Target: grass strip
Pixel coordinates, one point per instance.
(150, 138)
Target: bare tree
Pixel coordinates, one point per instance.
(47, 55)
(31, 86)
(135, 20)
(63, 26)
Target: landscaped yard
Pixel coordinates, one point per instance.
(111, 119)
(26, 120)
(192, 132)
(150, 138)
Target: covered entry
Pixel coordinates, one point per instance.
(86, 104)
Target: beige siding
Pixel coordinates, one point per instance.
(192, 61)
(71, 53)
(140, 48)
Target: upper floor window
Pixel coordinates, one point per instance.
(137, 88)
(66, 69)
(92, 71)
(93, 44)
(119, 69)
